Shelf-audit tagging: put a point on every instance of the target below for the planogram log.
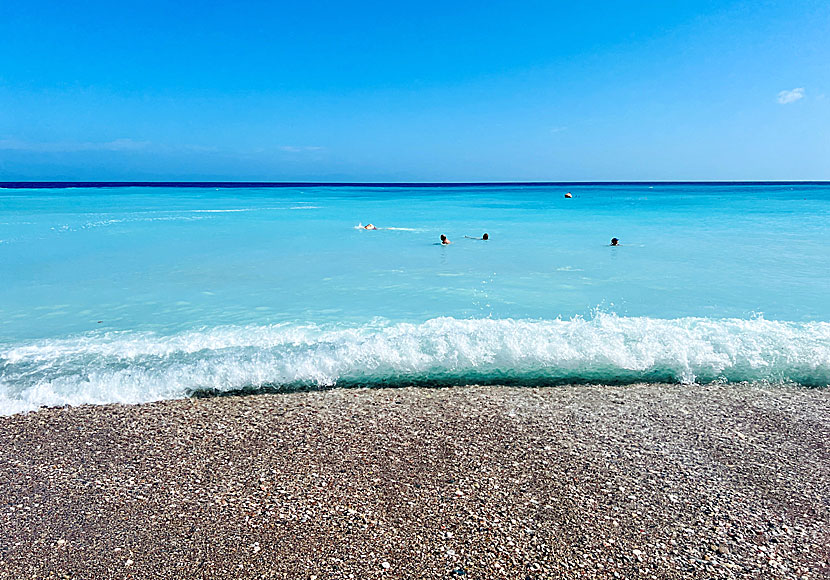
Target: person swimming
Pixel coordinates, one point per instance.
(444, 240)
(370, 227)
(568, 195)
(615, 242)
(484, 237)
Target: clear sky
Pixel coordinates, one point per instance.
(414, 91)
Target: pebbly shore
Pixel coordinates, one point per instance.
(642, 481)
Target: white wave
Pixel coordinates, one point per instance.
(360, 226)
(133, 367)
(232, 210)
(172, 216)
(295, 205)
(166, 216)
(109, 222)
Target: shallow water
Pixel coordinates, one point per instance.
(205, 288)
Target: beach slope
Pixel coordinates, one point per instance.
(653, 481)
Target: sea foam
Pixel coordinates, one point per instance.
(135, 367)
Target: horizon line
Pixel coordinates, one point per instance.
(278, 184)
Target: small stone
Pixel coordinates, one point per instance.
(386, 565)
(128, 563)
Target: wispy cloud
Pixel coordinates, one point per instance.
(72, 146)
(786, 97)
(557, 129)
(132, 145)
(299, 148)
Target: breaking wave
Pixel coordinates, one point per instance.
(135, 367)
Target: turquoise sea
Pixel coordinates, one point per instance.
(132, 294)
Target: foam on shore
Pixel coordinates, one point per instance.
(135, 367)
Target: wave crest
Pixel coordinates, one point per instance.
(134, 367)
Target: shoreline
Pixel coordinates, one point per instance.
(647, 480)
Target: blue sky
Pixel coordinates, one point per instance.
(414, 91)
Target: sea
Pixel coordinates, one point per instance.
(128, 293)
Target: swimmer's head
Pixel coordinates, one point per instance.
(485, 237)
(614, 241)
(443, 238)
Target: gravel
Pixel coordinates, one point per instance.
(643, 481)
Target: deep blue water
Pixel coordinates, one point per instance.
(204, 288)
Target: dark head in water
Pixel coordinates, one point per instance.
(444, 240)
(615, 242)
(485, 237)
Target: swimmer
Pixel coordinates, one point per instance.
(484, 237)
(370, 227)
(615, 242)
(444, 240)
(568, 195)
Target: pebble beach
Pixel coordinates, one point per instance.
(586, 481)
